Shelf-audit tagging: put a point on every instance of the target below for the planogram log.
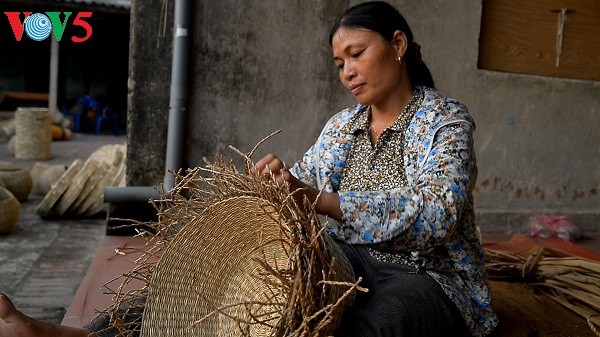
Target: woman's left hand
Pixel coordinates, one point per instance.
(271, 167)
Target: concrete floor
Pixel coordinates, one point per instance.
(42, 262)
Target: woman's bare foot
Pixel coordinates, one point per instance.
(14, 323)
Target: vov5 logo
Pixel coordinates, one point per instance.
(38, 26)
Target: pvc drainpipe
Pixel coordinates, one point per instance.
(177, 112)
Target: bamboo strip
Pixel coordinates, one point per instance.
(591, 318)
(561, 270)
(572, 262)
(578, 282)
(582, 296)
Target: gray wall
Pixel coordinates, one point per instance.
(260, 66)
(148, 96)
(266, 67)
(537, 139)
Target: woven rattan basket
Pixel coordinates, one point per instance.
(233, 255)
(216, 277)
(17, 180)
(33, 133)
(10, 210)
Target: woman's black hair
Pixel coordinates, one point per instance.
(384, 19)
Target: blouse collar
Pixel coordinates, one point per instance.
(362, 116)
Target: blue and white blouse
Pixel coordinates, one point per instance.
(433, 213)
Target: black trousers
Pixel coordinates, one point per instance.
(400, 302)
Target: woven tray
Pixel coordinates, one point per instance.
(46, 205)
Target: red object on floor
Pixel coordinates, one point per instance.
(519, 243)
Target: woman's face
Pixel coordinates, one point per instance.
(368, 65)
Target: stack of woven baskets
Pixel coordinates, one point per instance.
(79, 190)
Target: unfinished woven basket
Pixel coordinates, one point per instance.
(233, 255)
(215, 278)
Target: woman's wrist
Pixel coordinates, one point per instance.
(329, 204)
(325, 203)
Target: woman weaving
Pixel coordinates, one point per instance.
(397, 172)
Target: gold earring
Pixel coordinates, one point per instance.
(399, 60)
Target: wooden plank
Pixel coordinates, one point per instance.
(521, 36)
(525, 313)
(26, 96)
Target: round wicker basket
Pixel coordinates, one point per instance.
(17, 180)
(34, 133)
(232, 255)
(10, 210)
(217, 277)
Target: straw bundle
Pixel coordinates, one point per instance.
(297, 282)
(572, 281)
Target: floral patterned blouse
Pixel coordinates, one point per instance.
(432, 215)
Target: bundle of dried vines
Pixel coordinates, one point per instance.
(571, 281)
(315, 289)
